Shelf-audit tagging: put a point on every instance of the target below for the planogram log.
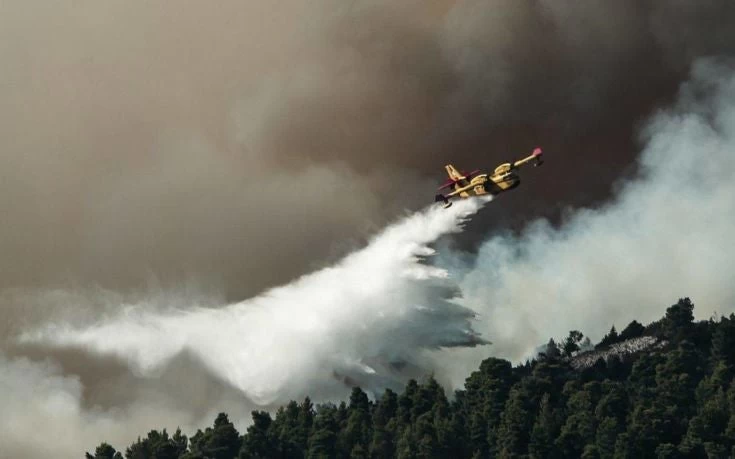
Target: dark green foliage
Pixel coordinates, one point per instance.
(633, 330)
(104, 451)
(607, 433)
(358, 432)
(222, 441)
(384, 426)
(544, 431)
(552, 350)
(158, 445)
(258, 441)
(677, 324)
(285, 430)
(482, 402)
(616, 369)
(580, 426)
(571, 343)
(723, 343)
(611, 338)
(323, 438)
(675, 401)
(515, 424)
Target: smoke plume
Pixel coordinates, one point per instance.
(665, 235)
(380, 304)
(141, 141)
(162, 165)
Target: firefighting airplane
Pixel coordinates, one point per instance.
(502, 179)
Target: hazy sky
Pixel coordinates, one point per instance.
(157, 154)
(140, 140)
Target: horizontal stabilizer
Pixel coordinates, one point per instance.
(447, 184)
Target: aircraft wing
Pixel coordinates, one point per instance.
(447, 184)
(451, 182)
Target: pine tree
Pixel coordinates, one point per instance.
(606, 437)
(158, 445)
(258, 443)
(358, 430)
(579, 429)
(633, 330)
(104, 451)
(483, 401)
(677, 324)
(405, 447)
(611, 338)
(384, 422)
(708, 426)
(287, 431)
(544, 431)
(571, 343)
(515, 424)
(222, 441)
(323, 439)
(722, 349)
(304, 424)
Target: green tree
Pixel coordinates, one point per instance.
(405, 403)
(667, 451)
(384, 434)
(544, 431)
(613, 402)
(606, 437)
(633, 330)
(304, 424)
(723, 344)
(611, 338)
(258, 442)
(571, 343)
(677, 323)
(708, 426)
(158, 445)
(406, 441)
(515, 424)
(323, 439)
(579, 429)
(287, 431)
(552, 350)
(358, 429)
(104, 451)
(222, 441)
(482, 402)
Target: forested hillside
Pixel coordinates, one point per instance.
(673, 399)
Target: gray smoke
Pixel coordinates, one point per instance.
(139, 141)
(665, 235)
(198, 155)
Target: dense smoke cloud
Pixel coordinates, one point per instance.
(666, 235)
(192, 157)
(140, 140)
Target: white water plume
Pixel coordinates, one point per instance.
(359, 321)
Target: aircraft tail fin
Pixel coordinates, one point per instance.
(453, 172)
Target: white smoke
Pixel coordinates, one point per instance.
(668, 234)
(43, 414)
(377, 310)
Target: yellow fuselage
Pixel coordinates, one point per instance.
(496, 183)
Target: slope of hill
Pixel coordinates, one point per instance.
(667, 392)
(621, 350)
